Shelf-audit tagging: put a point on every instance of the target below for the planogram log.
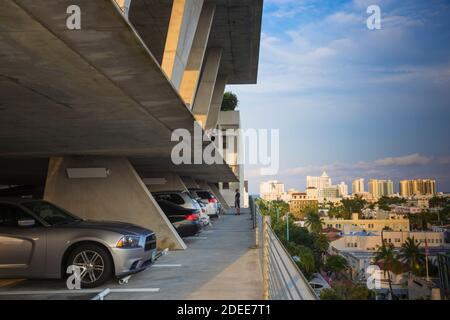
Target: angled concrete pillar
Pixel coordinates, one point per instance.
(124, 5)
(190, 183)
(207, 84)
(191, 73)
(163, 182)
(215, 190)
(216, 102)
(119, 195)
(180, 36)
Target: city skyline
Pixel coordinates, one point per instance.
(351, 185)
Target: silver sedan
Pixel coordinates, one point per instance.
(41, 240)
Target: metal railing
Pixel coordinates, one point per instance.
(282, 278)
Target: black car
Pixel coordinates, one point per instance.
(186, 221)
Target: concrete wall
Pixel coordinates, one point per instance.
(122, 196)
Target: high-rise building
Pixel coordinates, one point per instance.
(343, 189)
(319, 183)
(425, 187)
(271, 190)
(358, 186)
(380, 188)
(328, 193)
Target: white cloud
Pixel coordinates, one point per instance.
(409, 160)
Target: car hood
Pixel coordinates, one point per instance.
(114, 226)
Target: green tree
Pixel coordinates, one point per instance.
(338, 212)
(305, 260)
(346, 291)
(314, 222)
(335, 264)
(439, 202)
(386, 257)
(229, 102)
(329, 294)
(354, 205)
(384, 202)
(358, 292)
(412, 255)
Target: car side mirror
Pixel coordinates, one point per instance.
(26, 222)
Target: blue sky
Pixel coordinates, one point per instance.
(352, 101)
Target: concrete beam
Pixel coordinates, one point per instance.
(191, 74)
(122, 196)
(163, 182)
(207, 84)
(216, 102)
(180, 36)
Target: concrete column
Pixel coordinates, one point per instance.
(190, 183)
(216, 102)
(180, 36)
(191, 74)
(163, 182)
(207, 84)
(119, 196)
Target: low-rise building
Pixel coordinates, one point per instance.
(300, 203)
(371, 241)
(406, 210)
(395, 223)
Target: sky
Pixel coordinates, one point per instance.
(352, 101)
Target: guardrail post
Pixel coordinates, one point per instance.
(257, 237)
(265, 253)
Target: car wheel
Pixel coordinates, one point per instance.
(95, 264)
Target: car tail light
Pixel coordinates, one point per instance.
(212, 200)
(192, 217)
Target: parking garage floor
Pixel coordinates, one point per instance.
(219, 263)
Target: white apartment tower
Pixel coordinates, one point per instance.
(320, 183)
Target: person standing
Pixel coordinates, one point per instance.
(237, 202)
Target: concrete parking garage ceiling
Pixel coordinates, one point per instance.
(94, 91)
(236, 28)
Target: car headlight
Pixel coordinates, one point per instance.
(127, 242)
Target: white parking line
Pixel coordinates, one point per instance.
(82, 291)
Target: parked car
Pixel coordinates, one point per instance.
(181, 198)
(186, 221)
(204, 218)
(208, 199)
(40, 240)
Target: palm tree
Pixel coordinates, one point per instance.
(386, 257)
(314, 222)
(411, 254)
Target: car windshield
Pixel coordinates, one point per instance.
(50, 213)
